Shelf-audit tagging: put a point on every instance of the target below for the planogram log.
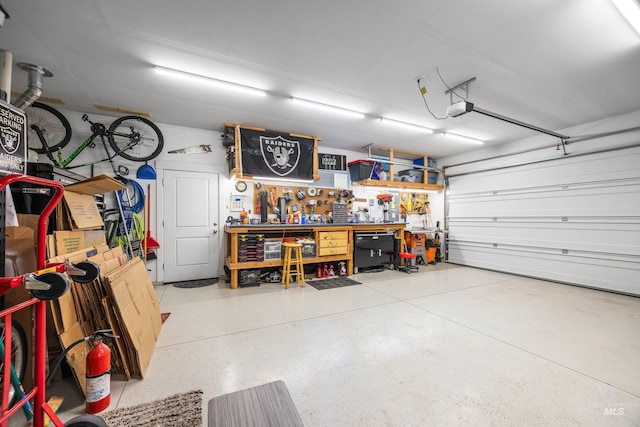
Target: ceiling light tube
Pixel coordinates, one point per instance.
(223, 84)
(284, 180)
(463, 138)
(327, 107)
(405, 125)
(630, 9)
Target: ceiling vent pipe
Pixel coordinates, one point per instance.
(33, 92)
(6, 63)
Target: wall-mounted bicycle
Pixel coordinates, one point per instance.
(131, 137)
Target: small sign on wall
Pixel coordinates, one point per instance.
(332, 162)
(13, 143)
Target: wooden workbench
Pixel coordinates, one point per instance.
(319, 232)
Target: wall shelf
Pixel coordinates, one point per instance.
(398, 185)
(401, 185)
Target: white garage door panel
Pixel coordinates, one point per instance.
(619, 275)
(559, 200)
(574, 220)
(610, 238)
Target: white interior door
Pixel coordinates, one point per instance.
(191, 238)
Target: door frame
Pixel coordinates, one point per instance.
(158, 207)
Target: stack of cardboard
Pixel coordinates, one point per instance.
(122, 299)
(79, 221)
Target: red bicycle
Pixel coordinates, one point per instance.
(46, 284)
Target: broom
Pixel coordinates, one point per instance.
(149, 242)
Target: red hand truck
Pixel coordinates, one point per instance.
(45, 284)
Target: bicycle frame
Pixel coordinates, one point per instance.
(98, 129)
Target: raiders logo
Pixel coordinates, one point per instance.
(279, 154)
(10, 139)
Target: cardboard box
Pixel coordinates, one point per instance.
(68, 241)
(20, 258)
(71, 241)
(20, 251)
(96, 185)
(77, 357)
(82, 211)
(138, 307)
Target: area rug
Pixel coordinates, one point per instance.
(178, 410)
(331, 283)
(195, 283)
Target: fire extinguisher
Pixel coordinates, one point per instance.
(98, 374)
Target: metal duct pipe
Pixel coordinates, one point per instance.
(6, 64)
(33, 92)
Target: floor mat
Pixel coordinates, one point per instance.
(334, 282)
(195, 283)
(179, 410)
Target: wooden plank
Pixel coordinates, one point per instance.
(121, 110)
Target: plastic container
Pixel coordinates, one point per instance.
(360, 169)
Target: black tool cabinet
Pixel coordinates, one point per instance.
(373, 249)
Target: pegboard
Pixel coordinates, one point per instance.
(414, 203)
(316, 200)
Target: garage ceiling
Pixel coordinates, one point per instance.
(547, 63)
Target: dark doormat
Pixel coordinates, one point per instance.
(333, 282)
(195, 283)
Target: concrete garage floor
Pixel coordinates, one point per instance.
(449, 345)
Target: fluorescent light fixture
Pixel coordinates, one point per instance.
(463, 138)
(327, 107)
(222, 84)
(405, 125)
(630, 9)
(268, 178)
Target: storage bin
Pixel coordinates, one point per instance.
(269, 255)
(272, 244)
(410, 175)
(249, 277)
(433, 177)
(308, 249)
(272, 248)
(360, 169)
(420, 162)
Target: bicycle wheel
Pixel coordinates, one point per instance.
(135, 138)
(18, 355)
(53, 125)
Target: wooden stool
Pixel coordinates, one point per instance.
(298, 269)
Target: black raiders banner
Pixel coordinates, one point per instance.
(275, 154)
(13, 145)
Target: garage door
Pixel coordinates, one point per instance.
(574, 220)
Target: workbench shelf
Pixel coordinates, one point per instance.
(333, 243)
